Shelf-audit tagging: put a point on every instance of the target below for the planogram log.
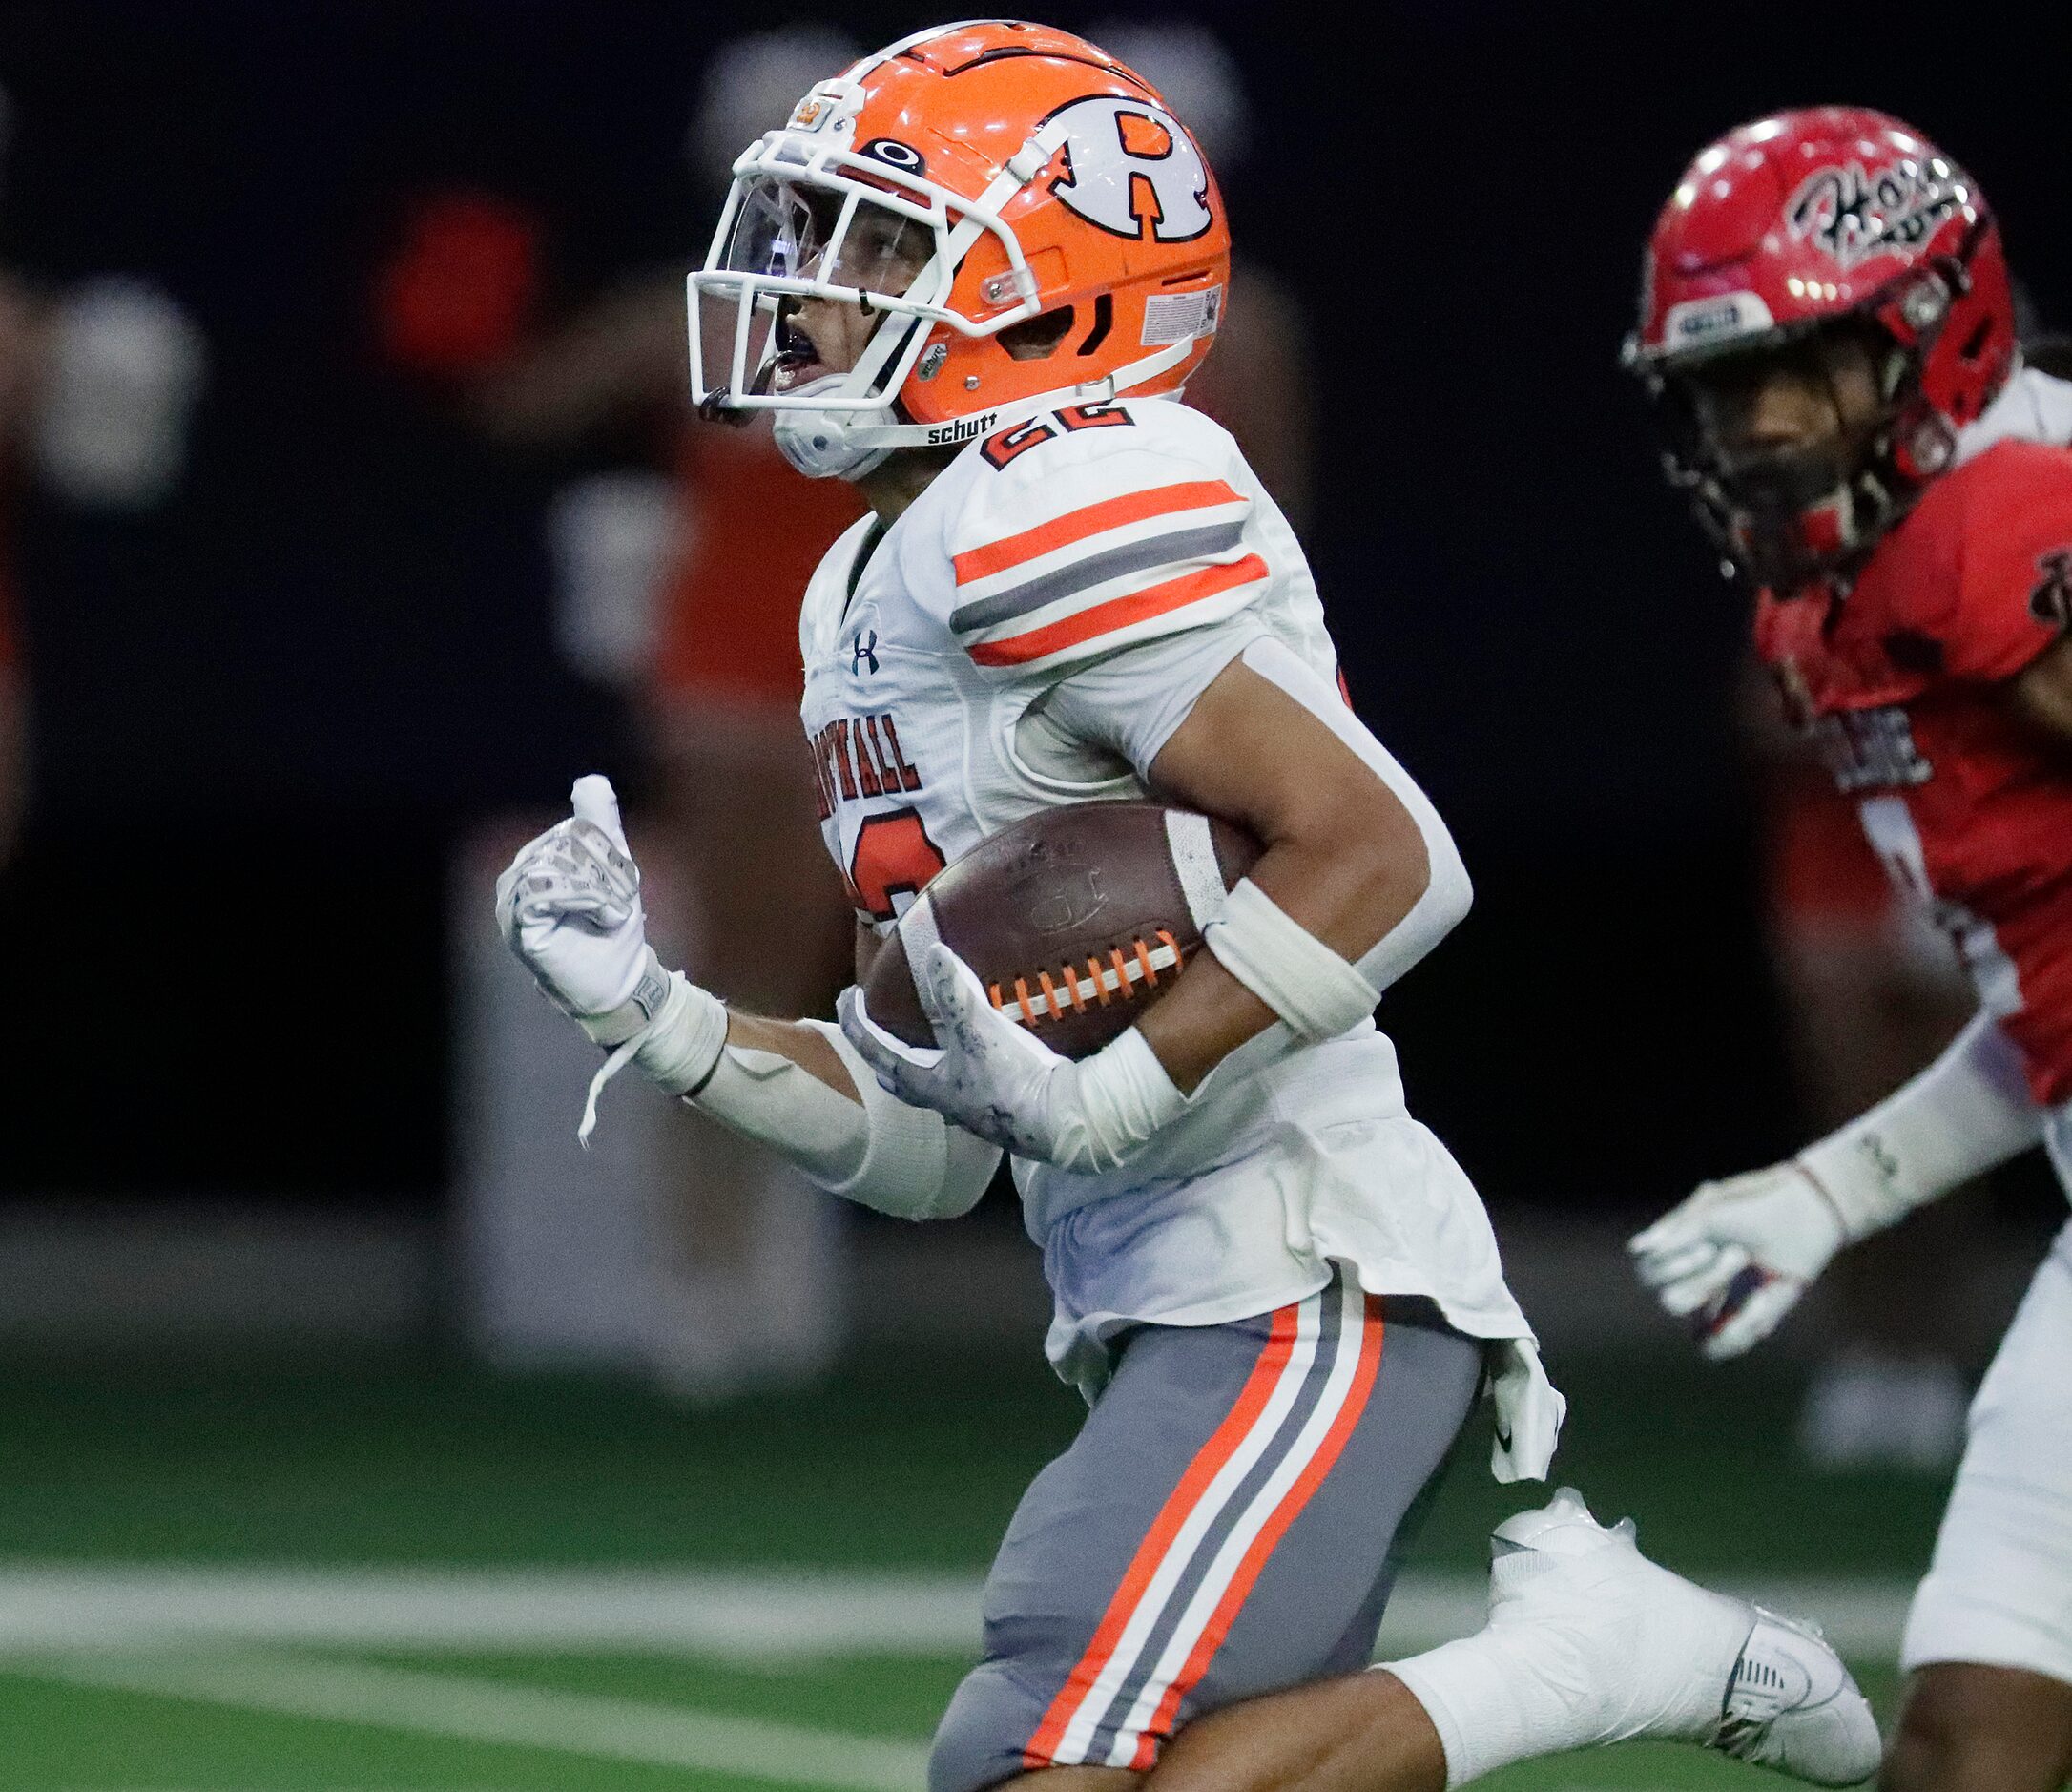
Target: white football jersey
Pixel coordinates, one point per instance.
(1028, 635)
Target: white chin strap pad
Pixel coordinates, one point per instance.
(1287, 967)
(822, 445)
(849, 444)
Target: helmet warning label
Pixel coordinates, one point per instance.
(1172, 317)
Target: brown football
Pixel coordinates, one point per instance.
(1071, 918)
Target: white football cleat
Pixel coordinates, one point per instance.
(1662, 1659)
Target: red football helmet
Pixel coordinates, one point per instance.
(1833, 217)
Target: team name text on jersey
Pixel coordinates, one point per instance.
(855, 756)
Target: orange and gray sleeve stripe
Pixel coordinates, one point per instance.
(1119, 612)
(1104, 568)
(1009, 551)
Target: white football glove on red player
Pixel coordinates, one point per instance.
(1737, 1255)
(569, 905)
(1734, 1257)
(995, 1079)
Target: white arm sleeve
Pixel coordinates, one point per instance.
(909, 1162)
(1966, 1113)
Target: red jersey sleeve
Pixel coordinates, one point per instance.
(2012, 593)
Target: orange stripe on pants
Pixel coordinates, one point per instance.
(1270, 1535)
(1207, 1464)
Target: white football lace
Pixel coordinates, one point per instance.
(620, 1057)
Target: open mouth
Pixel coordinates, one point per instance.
(797, 361)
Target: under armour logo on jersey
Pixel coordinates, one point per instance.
(1131, 169)
(2051, 601)
(864, 648)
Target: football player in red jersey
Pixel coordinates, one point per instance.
(1828, 328)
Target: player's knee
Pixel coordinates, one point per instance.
(1936, 1746)
(1955, 1733)
(983, 1743)
(980, 1741)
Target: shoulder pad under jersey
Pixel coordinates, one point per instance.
(1088, 530)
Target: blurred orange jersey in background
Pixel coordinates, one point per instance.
(728, 624)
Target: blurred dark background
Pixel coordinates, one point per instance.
(264, 715)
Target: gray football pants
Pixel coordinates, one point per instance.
(1224, 1525)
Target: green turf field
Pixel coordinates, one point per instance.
(381, 1576)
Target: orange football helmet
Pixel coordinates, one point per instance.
(1036, 227)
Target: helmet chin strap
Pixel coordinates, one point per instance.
(851, 444)
(821, 444)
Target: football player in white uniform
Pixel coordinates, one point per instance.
(972, 274)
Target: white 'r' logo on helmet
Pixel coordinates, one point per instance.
(1131, 169)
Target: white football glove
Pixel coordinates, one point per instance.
(997, 1081)
(569, 905)
(1734, 1257)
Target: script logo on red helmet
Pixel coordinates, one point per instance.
(1854, 213)
(2051, 601)
(1131, 169)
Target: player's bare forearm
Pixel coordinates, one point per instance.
(1343, 858)
(806, 1047)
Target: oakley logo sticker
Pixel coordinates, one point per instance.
(895, 153)
(1133, 170)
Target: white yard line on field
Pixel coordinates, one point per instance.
(775, 1617)
(492, 1711)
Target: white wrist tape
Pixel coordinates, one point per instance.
(915, 1164)
(1126, 1094)
(615, 1026)
(675, 1048)
(1287, 967)
(873, 1150)
(1967, 1111)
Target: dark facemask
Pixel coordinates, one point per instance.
(1783, 515)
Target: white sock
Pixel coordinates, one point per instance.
(1511, 1692)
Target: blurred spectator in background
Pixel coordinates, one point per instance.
(20, 345)
(747, 1278)
(97, 390)
(19, 333)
